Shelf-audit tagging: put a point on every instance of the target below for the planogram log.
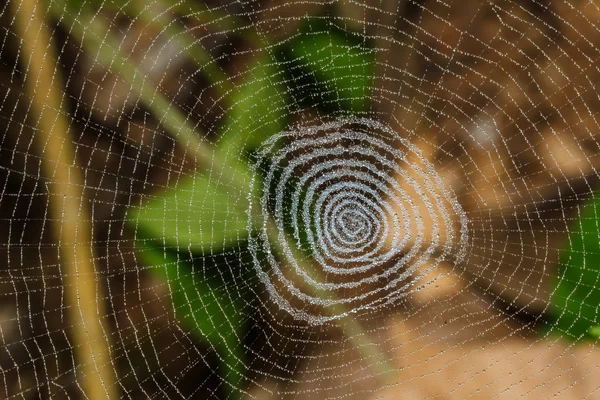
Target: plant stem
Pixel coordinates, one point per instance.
(65, 192)
(352, 329)
(94, 36)
(155, 14)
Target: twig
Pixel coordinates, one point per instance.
(157, 15)
(73, 232)
(92, 32)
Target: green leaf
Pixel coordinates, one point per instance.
(258, 110)
(594, 331)
(207, 307)
(343, 64)
(202, 213)
(575, 300)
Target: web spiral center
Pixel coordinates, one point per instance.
(334, 218)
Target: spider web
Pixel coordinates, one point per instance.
(266, 199)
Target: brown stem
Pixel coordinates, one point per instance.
(73, 231)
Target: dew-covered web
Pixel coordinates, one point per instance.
(387, 199)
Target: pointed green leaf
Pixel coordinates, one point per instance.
(575, 299)
(258, 111)
(205, 306)
(345, 66)
(201, 213)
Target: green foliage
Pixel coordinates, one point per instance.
(206, 214)
(205, 306)
(575, 298)
(202, 214)
(342, 64)
(258, 110)
(594, 331)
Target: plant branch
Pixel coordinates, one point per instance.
(65, 192)
(157, 15)
(94, 35)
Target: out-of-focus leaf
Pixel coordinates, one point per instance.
(594, 331)
(258, 111)
(575, 299)
(202, 214)
(205, 306)
(344, 65)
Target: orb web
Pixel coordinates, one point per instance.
(299, 199)
(338, 188)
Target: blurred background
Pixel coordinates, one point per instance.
(146, 245)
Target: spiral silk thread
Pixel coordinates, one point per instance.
(337, 195)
